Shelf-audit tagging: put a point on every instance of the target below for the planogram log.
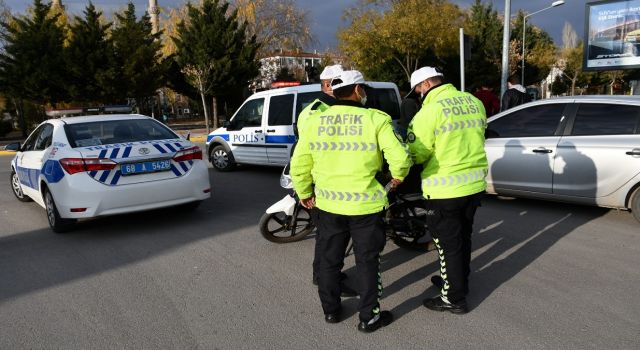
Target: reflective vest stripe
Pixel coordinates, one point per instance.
(350, 196)
(464, 124)
(455, 179)
(342, 146)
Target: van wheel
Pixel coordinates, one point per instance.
(57, 224)
(16, 186)
(221, 159)
(635, 204)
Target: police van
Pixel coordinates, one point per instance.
(261, 132)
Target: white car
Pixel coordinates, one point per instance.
(84, 167)
(580, 149)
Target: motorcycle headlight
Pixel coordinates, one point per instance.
(285, 181)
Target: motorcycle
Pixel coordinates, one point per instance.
(404, 219)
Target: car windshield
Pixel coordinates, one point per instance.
(116, 131)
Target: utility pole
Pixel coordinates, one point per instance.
(505, 48)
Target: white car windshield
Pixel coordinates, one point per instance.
(116, 131)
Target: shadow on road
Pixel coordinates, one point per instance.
(508, 236)
(36, 260)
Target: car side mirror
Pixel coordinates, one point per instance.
(232, 125)
(13, 146)
(226, 124)
(188, 137)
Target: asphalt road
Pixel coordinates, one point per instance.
(544, 276)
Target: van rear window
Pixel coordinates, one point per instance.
(385, 100)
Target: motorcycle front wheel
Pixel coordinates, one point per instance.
(407, 228)
(281, 228)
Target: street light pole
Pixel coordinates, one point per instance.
(524, 30)
(505, 48)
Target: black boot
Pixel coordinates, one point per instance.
(437, 304)
(383, 319)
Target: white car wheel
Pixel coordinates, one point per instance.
(57, 224)
(635, 204)
(221, 159)
(16, 186)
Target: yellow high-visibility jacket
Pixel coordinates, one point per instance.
(340, 150)
(447, 137)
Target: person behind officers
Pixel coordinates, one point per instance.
(515, 95)
(447, 137)
(325, 100)
(349, 200)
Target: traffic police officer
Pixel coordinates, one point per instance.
(340, 151)
(320, 105)
(447, 137)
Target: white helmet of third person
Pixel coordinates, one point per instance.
(330, 72)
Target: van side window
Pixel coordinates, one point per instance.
(280, 109)
(305, 99)
(250, 114)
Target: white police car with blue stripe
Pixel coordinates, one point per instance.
(84, 167)
(261, 131)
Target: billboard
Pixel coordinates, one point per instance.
(612, 35)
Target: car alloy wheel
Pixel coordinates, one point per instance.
(58, 224)
(17, 188)
(220, 159)
(50, 206)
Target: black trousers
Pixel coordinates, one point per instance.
(367, 232)
(451, 223)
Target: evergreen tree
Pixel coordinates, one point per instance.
(214, 51)
(89, 57)
(32, 65)
(484, 27)
(138, 55)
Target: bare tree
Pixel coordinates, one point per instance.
(569, 36)
(198, 75)
(570, 60)
(277, 24)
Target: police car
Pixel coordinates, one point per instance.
(84, 167)
(261, 132)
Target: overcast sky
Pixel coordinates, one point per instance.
(325, 15)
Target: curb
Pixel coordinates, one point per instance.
(198, 139)
(6, 153)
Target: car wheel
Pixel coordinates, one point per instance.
(57, 224)
(221, 159)
(17, 188)
(635, 204)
